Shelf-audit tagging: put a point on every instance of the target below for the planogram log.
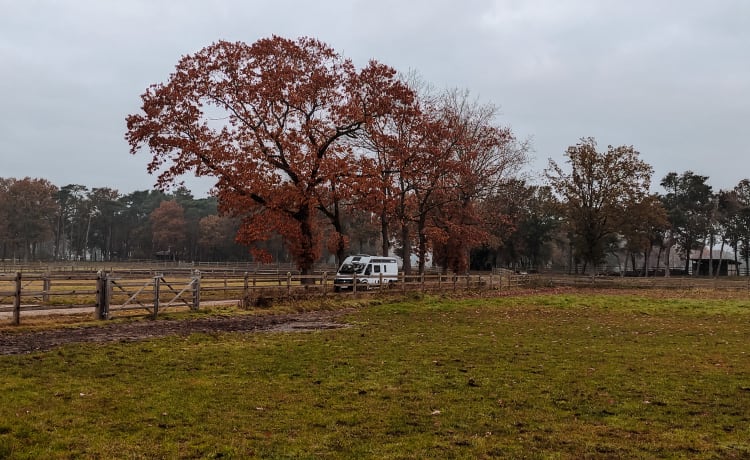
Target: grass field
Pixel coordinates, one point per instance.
(566, 375)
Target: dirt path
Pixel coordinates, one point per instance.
(12, 343)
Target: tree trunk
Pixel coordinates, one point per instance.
(422, 253)
(59, 235)
(570, 258)
(406, 247)
(422, 244)
(658, 259)
(86, 239)
(700, 259)
(306, 256)
(384, 234)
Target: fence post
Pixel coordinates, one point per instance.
(381, 281)
(110, 279)
(289, 283)
(101, 310)
(196, 290)
(17, 301)
(245, 286)
(157, 280)
(325, 282)
(47, 286)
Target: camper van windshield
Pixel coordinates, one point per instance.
(351, 268)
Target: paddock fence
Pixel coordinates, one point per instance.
(152, 290)
(109, 294)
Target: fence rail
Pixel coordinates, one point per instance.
(109, 294)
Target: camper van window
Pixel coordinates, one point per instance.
(377, 268)
(348, 269)
(369, 270)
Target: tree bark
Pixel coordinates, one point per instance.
(384, 234)
(307, 250)
(406, 247)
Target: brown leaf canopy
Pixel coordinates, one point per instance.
(267, 120)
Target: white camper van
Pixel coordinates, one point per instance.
(367, 271)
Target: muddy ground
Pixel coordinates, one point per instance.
(12, 343)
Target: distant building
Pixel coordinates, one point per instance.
(723, 264)
(621, 263)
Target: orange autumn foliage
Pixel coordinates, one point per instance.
(268, 121)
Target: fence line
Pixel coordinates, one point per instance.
(110, 293)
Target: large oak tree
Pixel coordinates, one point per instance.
(268, 121)
(595, 192)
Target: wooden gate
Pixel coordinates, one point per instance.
(154, 295)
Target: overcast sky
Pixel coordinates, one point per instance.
(671, 78)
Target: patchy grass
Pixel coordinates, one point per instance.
(629, 375)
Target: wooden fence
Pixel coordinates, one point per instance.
(109, 294)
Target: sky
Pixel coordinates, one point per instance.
(670, 78)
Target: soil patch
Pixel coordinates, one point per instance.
(12, 343)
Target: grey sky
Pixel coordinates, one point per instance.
(671, 78)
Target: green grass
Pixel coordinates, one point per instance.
(545, 376)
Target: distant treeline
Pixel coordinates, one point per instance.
(531, 227)
(40, 221)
